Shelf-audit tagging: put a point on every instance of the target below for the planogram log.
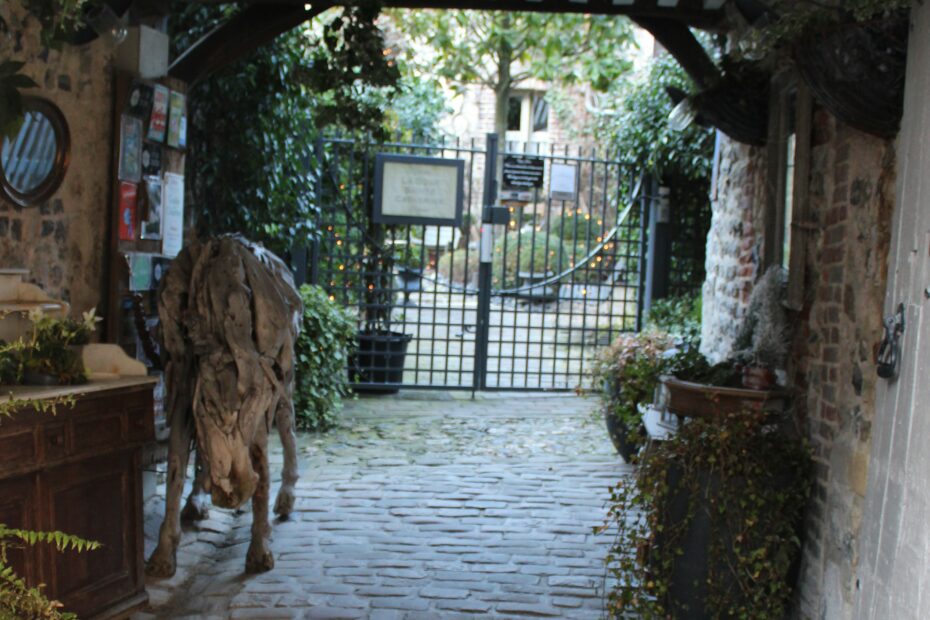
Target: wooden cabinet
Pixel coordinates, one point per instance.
(79, 471)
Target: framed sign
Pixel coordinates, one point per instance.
(563, 182)
(522, 172)
(418, 190)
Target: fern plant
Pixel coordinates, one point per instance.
(20, 601)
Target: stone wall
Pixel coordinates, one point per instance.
(63, 240)
(733, 244)
(832, 363)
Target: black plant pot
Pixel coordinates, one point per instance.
(688, 587)
(620, 436)
(378, 363)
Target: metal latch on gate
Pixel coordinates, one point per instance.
(485, 251)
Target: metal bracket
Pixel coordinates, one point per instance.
(889, 352)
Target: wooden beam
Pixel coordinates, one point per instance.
(245, 32)
(690, 12)
(681, 43)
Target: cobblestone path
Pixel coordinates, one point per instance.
(420, 506)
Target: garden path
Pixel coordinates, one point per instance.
(420, 505)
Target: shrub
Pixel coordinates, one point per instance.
(574, 226)
(539, 252)
(516, 252)
(322, 354)
(628, 373)
(679, 316)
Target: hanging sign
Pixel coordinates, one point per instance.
(418, 190)
(563, 182)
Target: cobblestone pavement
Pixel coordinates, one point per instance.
(419, 506)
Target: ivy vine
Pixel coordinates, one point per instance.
(742, 485)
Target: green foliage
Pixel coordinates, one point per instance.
(628, 374)
(18, 600)
(59, 19)
(49, 350)
(574, 226)
(639, 130)
(322, 351)
(537, 252)
(680, 317)
(800, 19)
(416, 110)
(750, 481)
(253, 124)
(499, 49)
(11, 99)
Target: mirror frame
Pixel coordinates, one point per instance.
(52, 182)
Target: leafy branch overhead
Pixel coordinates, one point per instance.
(11, 99)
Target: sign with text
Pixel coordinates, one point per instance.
(521, 172)
(418, 190)
(563, 182)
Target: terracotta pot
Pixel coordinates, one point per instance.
(758, 378)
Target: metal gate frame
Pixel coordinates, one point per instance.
(331, 259)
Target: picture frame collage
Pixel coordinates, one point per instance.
(150, 198)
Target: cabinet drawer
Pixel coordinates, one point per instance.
(99, 432)
(17, 447)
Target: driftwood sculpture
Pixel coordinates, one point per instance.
(230, 316)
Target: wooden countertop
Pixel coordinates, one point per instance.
(39, 392)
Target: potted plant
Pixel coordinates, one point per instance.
(52, 353)
(747, 380)
(628, 372)
(378, 363)
(715, 512)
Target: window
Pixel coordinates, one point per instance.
(540, 113)
(514, 113)
(788, 170)
(527, 117)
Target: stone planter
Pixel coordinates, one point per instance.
(698, 400)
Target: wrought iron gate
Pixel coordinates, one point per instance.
(557, 279)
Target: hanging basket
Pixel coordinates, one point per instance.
(857, 70)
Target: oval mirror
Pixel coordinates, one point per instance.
(33, 163)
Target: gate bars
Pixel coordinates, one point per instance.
(565, 277)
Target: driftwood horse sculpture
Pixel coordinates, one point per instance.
(230, 317)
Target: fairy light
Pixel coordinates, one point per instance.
(332, 298)
(342, 267)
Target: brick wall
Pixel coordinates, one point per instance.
(62, 241)
(832, 365)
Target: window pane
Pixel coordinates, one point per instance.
(514, 110)
(540, 114)
(789, 200)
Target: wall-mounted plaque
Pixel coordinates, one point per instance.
(418, 190)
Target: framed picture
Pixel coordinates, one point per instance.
(140, 272)
(158, 121)
(128, 197)
(140, 99)
(130, 149)
(151, 225)
(418, 190)
(177, 122)
(172, 209)
(151, 159)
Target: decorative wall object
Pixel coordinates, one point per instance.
(158, 121)
(152, 224)
(177, 121)
(130, 149)
(173, 214)
(34, 161)
(128, 197)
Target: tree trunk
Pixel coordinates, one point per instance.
(502, 98)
